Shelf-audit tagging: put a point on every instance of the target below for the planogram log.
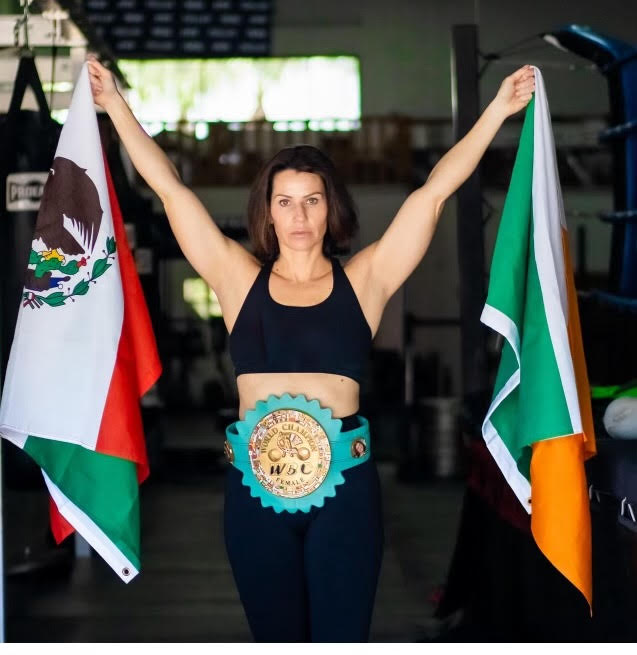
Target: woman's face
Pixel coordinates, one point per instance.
(298, 209)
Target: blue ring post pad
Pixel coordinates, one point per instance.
(238, 436)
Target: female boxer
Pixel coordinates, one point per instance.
(302, 516)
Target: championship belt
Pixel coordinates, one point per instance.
(292, 452)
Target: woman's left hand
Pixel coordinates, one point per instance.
(516, 91)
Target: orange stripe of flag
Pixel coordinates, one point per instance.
(560, 519)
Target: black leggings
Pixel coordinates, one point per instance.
(307, 576)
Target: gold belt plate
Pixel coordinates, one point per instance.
(289, 453)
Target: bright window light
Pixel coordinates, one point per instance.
(201, 298)
(59, 115)
(201, 131)
(287, 89)
(58, 87)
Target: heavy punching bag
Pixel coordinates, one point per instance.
(28, 139)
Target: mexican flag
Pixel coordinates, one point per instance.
(539, 426)
(83, 352)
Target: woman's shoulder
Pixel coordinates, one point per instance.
(358, 265)
(358, 269)
(243, 261)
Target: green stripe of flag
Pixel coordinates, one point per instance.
(536, 409)
(104, 487)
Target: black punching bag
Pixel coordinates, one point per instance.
(29, 140)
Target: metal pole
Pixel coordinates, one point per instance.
(2, 612)
(470, 239)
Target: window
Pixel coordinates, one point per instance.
(201, 298)
(322, 92)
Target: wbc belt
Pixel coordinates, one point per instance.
(292, 452)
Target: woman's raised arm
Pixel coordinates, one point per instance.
(209, 251)
(391, 259)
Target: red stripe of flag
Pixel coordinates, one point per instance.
(137, 368)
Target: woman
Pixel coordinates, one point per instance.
(302, 515)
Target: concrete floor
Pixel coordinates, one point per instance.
(185, 592)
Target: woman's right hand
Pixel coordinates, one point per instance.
(102, 81)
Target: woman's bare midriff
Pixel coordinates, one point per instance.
(339, 393)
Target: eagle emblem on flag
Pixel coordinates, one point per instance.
(65, 237)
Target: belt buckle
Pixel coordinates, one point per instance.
(290, 453)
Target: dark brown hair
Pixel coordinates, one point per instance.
(342, 222)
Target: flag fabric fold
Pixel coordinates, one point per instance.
(83, 351)
(539, 425)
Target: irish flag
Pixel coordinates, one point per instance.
(539, 426)
(83, 352)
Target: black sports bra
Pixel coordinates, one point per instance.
(332, 336)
